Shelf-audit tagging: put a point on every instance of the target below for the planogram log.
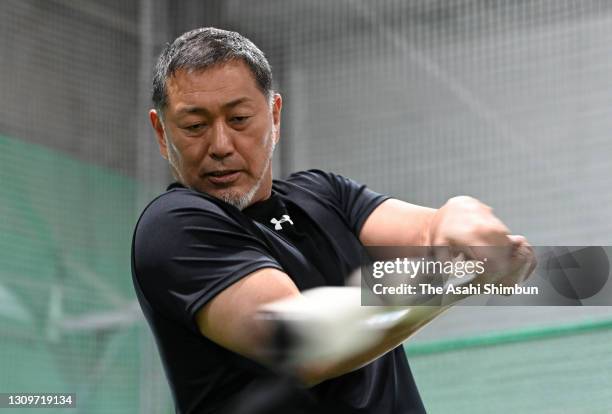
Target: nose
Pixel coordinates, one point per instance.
(221, 144)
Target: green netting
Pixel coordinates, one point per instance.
(552, 369)
(64, 253)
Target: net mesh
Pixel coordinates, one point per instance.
(506, 101)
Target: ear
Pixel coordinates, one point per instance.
(277, 105)
(160, 133)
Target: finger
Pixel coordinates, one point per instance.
(518, 239)
(525, 251)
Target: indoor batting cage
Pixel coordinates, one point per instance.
(422, 100)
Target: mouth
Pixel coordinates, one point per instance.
(223, 176)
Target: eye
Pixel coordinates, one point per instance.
(239, 119)
(195, 127)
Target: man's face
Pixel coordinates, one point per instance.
(218, 132)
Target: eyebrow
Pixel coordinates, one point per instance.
(200, 110)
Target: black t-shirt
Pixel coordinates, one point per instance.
(189, 246)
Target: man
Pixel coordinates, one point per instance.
(224, 240)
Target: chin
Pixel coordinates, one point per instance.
(239, 199)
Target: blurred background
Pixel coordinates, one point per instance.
(508, 101)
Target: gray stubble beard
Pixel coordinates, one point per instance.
(243, 201)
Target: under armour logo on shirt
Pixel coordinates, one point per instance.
(277, 223)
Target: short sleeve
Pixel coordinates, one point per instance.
(354, 200)
(186, 250)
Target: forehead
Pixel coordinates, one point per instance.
(212, 86)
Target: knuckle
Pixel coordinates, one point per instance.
(468, 203)
(519, 239)
(462, 199)
(482, 227)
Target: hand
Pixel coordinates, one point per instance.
(522, 262)
(465, 221)
(469, 228)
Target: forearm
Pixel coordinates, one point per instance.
(397, 223)
(326, 332)
(415, 319)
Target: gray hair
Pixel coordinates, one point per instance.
(203, 48)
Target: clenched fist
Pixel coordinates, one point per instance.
(471, 231)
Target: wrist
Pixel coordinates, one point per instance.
(428, 231)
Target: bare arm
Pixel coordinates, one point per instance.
(231, 318)
(462, 222)
(397, 223)
(414, 319)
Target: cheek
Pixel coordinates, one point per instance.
(179, 154)
(171, 148)
(188, 152)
